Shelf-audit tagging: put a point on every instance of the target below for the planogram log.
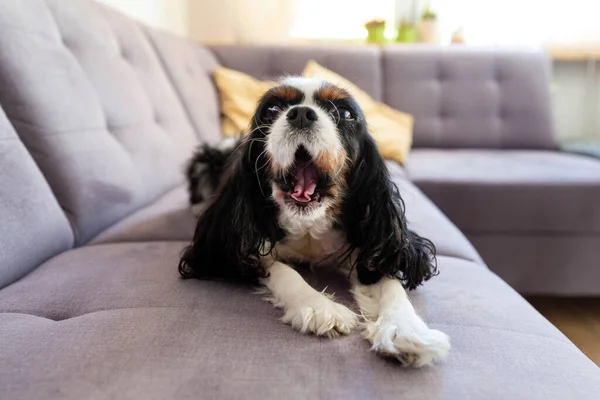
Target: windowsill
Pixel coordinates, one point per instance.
(575, 52)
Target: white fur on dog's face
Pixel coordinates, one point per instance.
(321, 142)
(283, 143)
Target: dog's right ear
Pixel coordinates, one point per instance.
(240, 224)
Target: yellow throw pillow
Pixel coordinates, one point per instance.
(391, 129)
(239, 95)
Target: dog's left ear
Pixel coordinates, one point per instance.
(239, 226)
(373, 216)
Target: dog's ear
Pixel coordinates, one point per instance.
(238, 226)
(373, 216)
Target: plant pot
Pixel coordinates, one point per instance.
(407, 34)
(376, 34)
(429, 31)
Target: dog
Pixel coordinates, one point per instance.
(307, 184)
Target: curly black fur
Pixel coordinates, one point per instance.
(204, 171)
(375, 223)
(239, 226)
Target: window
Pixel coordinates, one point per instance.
(484, 22)
(521, 22)
(340, 19)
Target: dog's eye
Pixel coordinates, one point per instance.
(273, 111)
(346, 114)
(341, 113)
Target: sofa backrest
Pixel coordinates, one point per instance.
(459, 96)
(33, 228)
(360, 64)
(88, 95)
(464, 97)
(190, 67)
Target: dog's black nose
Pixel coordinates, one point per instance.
(301, 117)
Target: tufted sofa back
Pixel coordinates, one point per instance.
(460, 97)
(360, 64)
(87, 92)
(33, 228)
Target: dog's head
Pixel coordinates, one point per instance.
(311, 133)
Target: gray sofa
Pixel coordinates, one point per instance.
(98, 116)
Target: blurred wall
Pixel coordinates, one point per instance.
(215, 21)
(169, 15)
(240, 21)
(576, 100)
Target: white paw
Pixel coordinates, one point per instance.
(413, 345)
(321, 316)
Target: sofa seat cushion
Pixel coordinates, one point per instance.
(548, 265)
(168, 218)
(510, 191)
(116, 320)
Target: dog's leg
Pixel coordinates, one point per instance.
(306, 309)
(393, 327)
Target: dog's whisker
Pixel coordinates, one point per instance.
(337, 111)
(257, 175)
(257, 158)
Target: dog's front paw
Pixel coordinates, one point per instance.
(321, 316)
(413, 344)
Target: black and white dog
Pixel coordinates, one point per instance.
(308, 185)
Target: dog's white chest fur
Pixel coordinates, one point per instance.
(315, 242)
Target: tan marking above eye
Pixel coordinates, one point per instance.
(287, 93)
(330, 93)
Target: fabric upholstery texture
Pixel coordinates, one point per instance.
(511, 191)
(33, 228)
(543, 264)
(116, 321)
(95, 109)
(190, 67)
(168, 218)
(464, 97)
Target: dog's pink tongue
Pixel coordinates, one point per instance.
(306, 182)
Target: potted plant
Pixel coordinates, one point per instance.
(407, 32)
(428, 27)
(376, 31)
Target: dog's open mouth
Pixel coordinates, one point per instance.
(302, 183)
